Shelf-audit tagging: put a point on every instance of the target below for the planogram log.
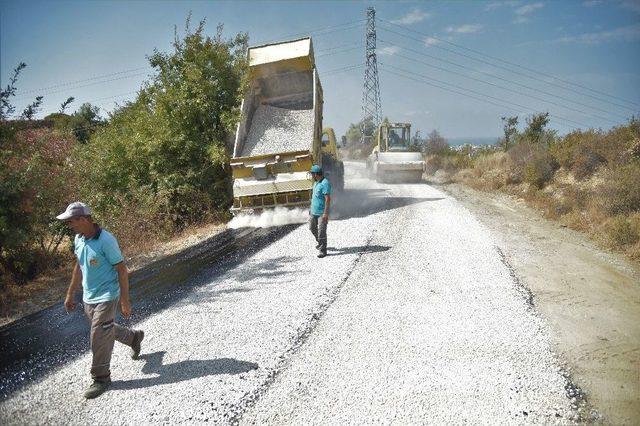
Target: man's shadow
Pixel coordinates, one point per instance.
(332, 251)
(183, 370)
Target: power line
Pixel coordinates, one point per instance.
(343, 69)
(513, 64)
(318, 31)
(340, 46)
(87, 85)
(327, 73)
(82, 81)
(511, 90)
(111, 97)
(455, 91)
(465, 92)
(139, 74)
(360, 46)
(22, 95)
(498, 78)
(509, 70)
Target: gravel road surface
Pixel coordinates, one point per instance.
(414, 317)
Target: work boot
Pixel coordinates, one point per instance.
(138, 335)
(97, 388)
(322, 254)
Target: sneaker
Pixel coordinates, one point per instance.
(97, 388)
(322, 254)
(138, 335)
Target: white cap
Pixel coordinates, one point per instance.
(75, 209)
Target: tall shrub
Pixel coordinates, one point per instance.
(165, 151)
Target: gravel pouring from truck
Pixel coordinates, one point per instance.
(278, 138)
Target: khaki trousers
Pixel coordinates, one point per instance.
(104, 331)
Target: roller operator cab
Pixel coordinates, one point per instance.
(392, 160)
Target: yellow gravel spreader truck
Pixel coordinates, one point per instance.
(279, 136)
(392, 160)
(333, 167)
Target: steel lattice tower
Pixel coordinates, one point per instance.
(371, 105)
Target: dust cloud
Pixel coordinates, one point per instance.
(268, 218)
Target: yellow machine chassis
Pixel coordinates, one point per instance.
(267, 201)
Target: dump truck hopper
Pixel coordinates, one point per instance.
(278, 137)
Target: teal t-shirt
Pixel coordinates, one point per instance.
(97, 257)
(320, 189)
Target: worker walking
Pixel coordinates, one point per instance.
(105, 280)
(319, 212)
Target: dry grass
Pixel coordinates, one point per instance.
(589, 181)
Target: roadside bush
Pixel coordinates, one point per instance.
(586, 161)
(519, 156)
(433, 163)
(170, 142)
(621, 191)
(35, 182)
(623, 230)
(461, 161)
(490, 162)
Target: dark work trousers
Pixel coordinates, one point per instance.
(318, 227)
(104, 331)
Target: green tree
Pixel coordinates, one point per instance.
(35, 181)
(510, 128)
(85, 121)
(32, 109)
(65, 104)
(6, 107)
(166, 151)
(354, 132)
(436, 144)
(536, 127)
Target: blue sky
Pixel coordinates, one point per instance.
(489, 58)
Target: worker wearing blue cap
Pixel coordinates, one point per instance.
(319, 211)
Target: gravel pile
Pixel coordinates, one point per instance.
(412, 318)
(279, 130)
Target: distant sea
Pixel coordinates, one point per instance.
(472, 141)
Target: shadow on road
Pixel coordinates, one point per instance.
(266, 269)
(181, 371)
(354, 203)
(331, 251)
(33, 346)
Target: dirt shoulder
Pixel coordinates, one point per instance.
(50, 288)
(590, 298)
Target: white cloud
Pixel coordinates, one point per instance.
(388, 50)
(498, 4)
(628, 33)
(465, 29)
(528, 8)
(592, 3)
(416, 15)
(431, 41)
(522, 13)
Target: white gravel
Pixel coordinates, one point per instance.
(431, 330)
(279, 130)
